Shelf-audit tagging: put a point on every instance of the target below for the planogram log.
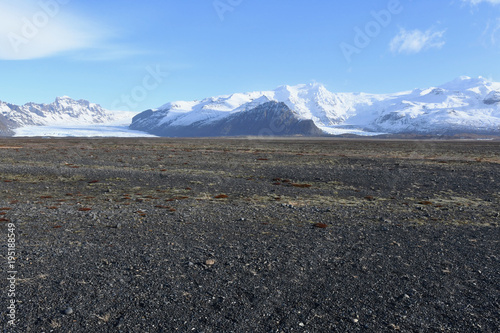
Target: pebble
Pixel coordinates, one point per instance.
(210, 262)
(119, 323)
(394, 327)
(68, 311)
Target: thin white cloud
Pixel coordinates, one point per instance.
(36, 29)
(415, 41)
(477, 2)
(491, 34)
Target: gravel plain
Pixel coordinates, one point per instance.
(251, 235)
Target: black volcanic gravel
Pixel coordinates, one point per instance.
(235, 235)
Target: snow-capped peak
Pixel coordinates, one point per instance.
(464, 83)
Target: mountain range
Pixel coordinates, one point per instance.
(464, 105)
(63, 111)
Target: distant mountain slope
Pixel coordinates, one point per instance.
(5, 129)
(63, 111)
(463, 105)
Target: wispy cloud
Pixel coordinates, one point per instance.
(415, 41)
(477, 2)
(491, 34)
(38, 29)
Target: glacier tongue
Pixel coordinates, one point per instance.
(96, 130)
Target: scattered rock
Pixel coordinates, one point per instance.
(394, 327)
(68, 311)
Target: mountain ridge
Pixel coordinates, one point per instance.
(464, 104)
(63, 111)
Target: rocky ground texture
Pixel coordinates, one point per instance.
(251, 235)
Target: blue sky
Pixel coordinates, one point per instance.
(137, 55)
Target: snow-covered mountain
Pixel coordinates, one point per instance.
(466, 104)
(269, 118)
(63, 111)
(65, 117)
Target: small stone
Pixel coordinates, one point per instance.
(210, 262)
(68, 311)
(301, 324)
(355, 320)
(119, 323)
